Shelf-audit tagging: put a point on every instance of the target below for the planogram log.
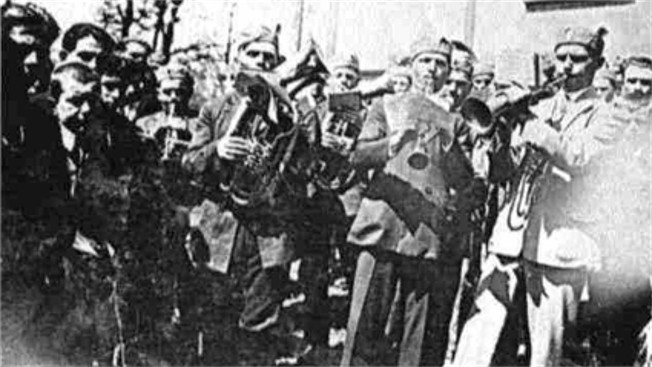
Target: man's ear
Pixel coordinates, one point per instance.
(63, 54)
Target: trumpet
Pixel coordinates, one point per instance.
(176, 138)
(484, 111)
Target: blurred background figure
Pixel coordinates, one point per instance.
(462, 53)
(400, 79)
(637, 81)
(140, 81)
(605, 84)
(457, 86)
(112, 83)
(345, 73)
(86, 43)
(170, 126)
(483, 77)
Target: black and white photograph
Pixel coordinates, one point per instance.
(326, 183)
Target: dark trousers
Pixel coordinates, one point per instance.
(427, 294)
(262, 287)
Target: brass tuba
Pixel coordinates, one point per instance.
(265, 118)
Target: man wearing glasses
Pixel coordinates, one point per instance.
(553, 249)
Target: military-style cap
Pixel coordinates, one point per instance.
(640, 61)
(430, 44)
(258, 34)
(593, 41)
(349, 61)
(482, 68)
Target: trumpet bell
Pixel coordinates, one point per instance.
(477, 111)
(418, 159)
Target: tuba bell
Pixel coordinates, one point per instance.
(265, 119)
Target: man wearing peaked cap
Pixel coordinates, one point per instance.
(401, 78)
(256, 248)
(345, 72)
(430, 59)
(483, 76)
(457, 86)
(605, 84)
(555, 241)
(258, 49)
(410, 252)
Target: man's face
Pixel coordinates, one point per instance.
(87, 52)
(400, 84)
(136, 52)
(637, 83)
(76, 103)
(576, 64)
(258, 56)
(430, 70)
(173, 92)
(113, 90)
(456, 88)
(482, 81)
(344, 79)
(603, 87)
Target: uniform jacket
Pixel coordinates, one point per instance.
(574, 132)
(215, 218)
(404, 209)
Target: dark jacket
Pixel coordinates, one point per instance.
(415, 212)
(216, 218)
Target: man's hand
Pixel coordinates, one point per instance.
(339, 144)
(233, 148)
(399, 138)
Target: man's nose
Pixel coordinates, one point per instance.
(92, 63)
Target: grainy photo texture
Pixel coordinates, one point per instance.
(352, 183)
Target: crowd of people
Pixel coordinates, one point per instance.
(473, 221)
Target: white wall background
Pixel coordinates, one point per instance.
(376, 30)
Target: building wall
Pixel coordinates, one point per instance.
(379, 30)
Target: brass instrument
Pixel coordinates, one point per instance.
(272, 139)
(418, 158)
(343, 119)
(175, 139)
(484, 111)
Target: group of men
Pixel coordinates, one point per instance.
(473, 217)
